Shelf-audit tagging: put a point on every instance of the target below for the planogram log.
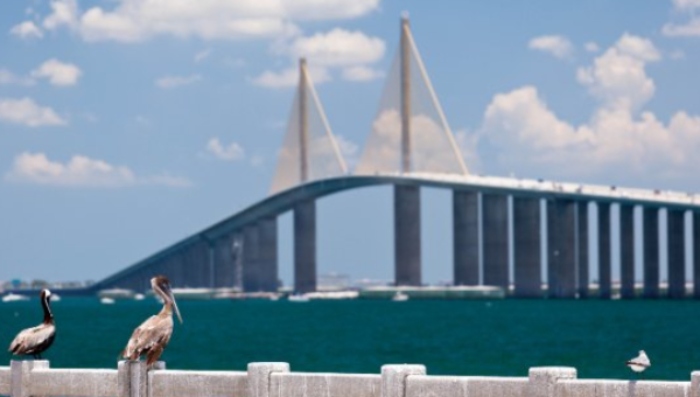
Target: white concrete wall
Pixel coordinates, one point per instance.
(35, 378)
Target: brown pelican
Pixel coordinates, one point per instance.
(153, 335)
(34, 341)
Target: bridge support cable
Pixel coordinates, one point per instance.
(651, 252)
(604, 252)
(582, 257)
(409, 132)
(627, 251)
(309, 151)
(495, 236)
(676, 253)
(527, 247)
(466, 242)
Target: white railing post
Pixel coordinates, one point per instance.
(22, 375)
(133, 379)
(259, 377)
(695, 384)
(543, 379)
(394, 378)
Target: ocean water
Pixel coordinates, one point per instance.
(502, 337)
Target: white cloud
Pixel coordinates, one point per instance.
(230, 152)
(27, 30)
(338, 47)
(558, 46)
(351, 52)
(177, 81)
(688, 28)
(81, 171)
(691, 28)
(131, 21)
(687, 5)
(202, 55)
(618, 140)
(27, 112)
(63, 13)
(7, 78)
(618, 76)
(361, 73)
(58, 73)
(591, 47)
(290, 77)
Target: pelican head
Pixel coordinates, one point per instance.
(161, 286)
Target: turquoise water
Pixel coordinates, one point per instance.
(450, 337)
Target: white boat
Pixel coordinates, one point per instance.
(298, 298)
(193, 293)
(116, 293)
(399, 297)
(14, 298)
(55, 297)
(139, 297)
(107, 301)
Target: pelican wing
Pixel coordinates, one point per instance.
(153, 334)
(33, 340)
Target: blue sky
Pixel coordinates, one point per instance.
(126, 125)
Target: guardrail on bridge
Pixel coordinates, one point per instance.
(131, 379)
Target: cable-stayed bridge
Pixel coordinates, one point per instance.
(411, 146)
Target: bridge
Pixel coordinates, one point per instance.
(411, 146)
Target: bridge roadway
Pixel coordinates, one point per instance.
(206, 259)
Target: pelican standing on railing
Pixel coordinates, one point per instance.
(151, 337)
(34, 341)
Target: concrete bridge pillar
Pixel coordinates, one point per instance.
(627, 251)
(561, 242)
(465, 221)
(604, 268)
(267, 254)
(696, 254)
(495, 236)
(251, 264)
(407, 247)
(305, 247)
(582, 241)
(526, 247)
(651, 252)
(676, 253)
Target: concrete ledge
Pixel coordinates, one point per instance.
(192, 383)
(134, 379)
(620, 388)
(74, 382)
(325, 384)
(5, 381)
(465, 386)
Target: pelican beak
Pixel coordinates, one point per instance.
(172, 298)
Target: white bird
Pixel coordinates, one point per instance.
(639, 363)
(151, 337)
(34, 341)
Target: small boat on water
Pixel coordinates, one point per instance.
(14, 298)
(107, 301)
(399, 297)
(139, 297)
(298, 298)
(116, 293)
(193, 293)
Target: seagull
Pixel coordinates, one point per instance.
(151, 337)
(34, 341)
(639, 363)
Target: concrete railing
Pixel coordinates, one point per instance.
(36, 378)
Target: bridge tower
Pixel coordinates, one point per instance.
(410, 135)
(309, 152)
